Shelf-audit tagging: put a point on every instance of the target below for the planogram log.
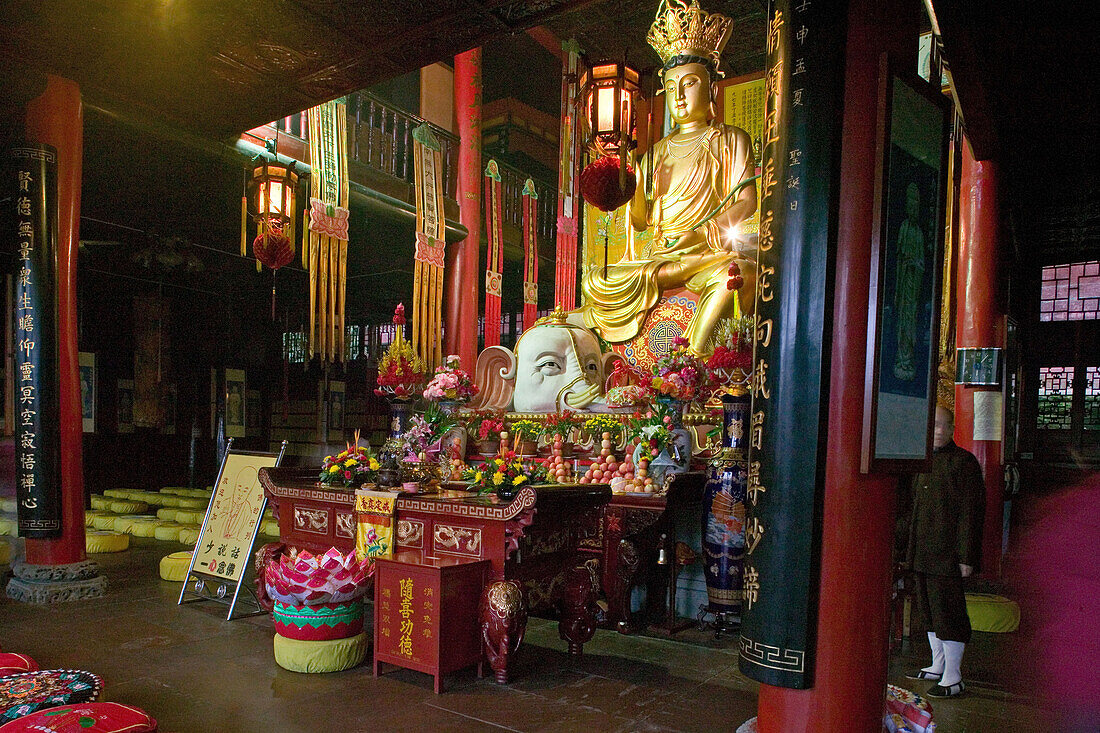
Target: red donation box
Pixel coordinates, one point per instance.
(425, 613)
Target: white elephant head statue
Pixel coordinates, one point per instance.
(557, 365)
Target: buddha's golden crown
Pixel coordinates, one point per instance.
(682, 29)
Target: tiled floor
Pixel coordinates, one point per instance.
(196, 672)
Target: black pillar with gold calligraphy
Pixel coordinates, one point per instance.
(788, 424)
(33, 183)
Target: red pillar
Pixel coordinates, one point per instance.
(57, 118)
(979, 321)
(462, 276)
(858, 517)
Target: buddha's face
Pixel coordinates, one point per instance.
(687, 93)
(552, 358)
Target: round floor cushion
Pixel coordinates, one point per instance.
(23, 694)
(93, 717)
(103, 502)
(320, 656)
(8, 505)
(174, 567)
(146, 527)
(184, 502)
(992, 613)
(5, 552)
(269, 528)
(105, 520)
(168, 532)
(118, 493)
(91, 514)
(189, 536)
(190, 516)
(168, 514)
(16, 664)
(8, 525)
(97, 541)
(125, 506)
(127, 522)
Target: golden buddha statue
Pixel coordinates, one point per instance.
(694, 190)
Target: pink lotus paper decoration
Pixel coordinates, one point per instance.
(310, 580)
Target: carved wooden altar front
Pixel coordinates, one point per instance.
(533, 543)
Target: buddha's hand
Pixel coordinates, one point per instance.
(688, 242)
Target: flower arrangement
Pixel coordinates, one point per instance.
(652, 429)
(526, 429)
(353, 466)
(506, 472)
(451, 382)
(679, 374)
(732, 358)
(484, 424)
(597, 425)
(400, 371)
(426, 430)
(561, 424)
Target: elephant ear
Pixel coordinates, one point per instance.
(495, 377)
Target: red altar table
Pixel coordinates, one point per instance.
(534, 543)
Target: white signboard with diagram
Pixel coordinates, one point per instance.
(233, 518)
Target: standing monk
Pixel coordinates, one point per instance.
(945, 547)
(694, 191)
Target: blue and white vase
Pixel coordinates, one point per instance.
(724, 515)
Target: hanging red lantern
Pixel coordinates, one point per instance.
(273, 248)
(600, 184)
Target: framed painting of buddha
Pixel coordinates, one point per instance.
(906, 265)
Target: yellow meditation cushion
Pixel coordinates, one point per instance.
(98, 541)
(7, 505)
(176, 490)
(168, 532)
(91, 514)
(174, 567)
(123, 522)
(6, 553)
(105, 521)
(102, 502)
(188, 536)
(118, 493)
(992, 613)
(269, 528)
(146, 526)
(167, 514)
(189, 516)
(320, 656)
(126, 506)
(8, 526)
(189, 503)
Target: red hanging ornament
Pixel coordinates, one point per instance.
(600, 184)
(273, 248)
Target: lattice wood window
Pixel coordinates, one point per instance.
(1055, 397)
(1070, 292)
(1092, 398)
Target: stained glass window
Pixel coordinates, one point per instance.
(1070, 292)
(1055, 397)
(1092, 398)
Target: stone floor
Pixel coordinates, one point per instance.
(196, 672)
